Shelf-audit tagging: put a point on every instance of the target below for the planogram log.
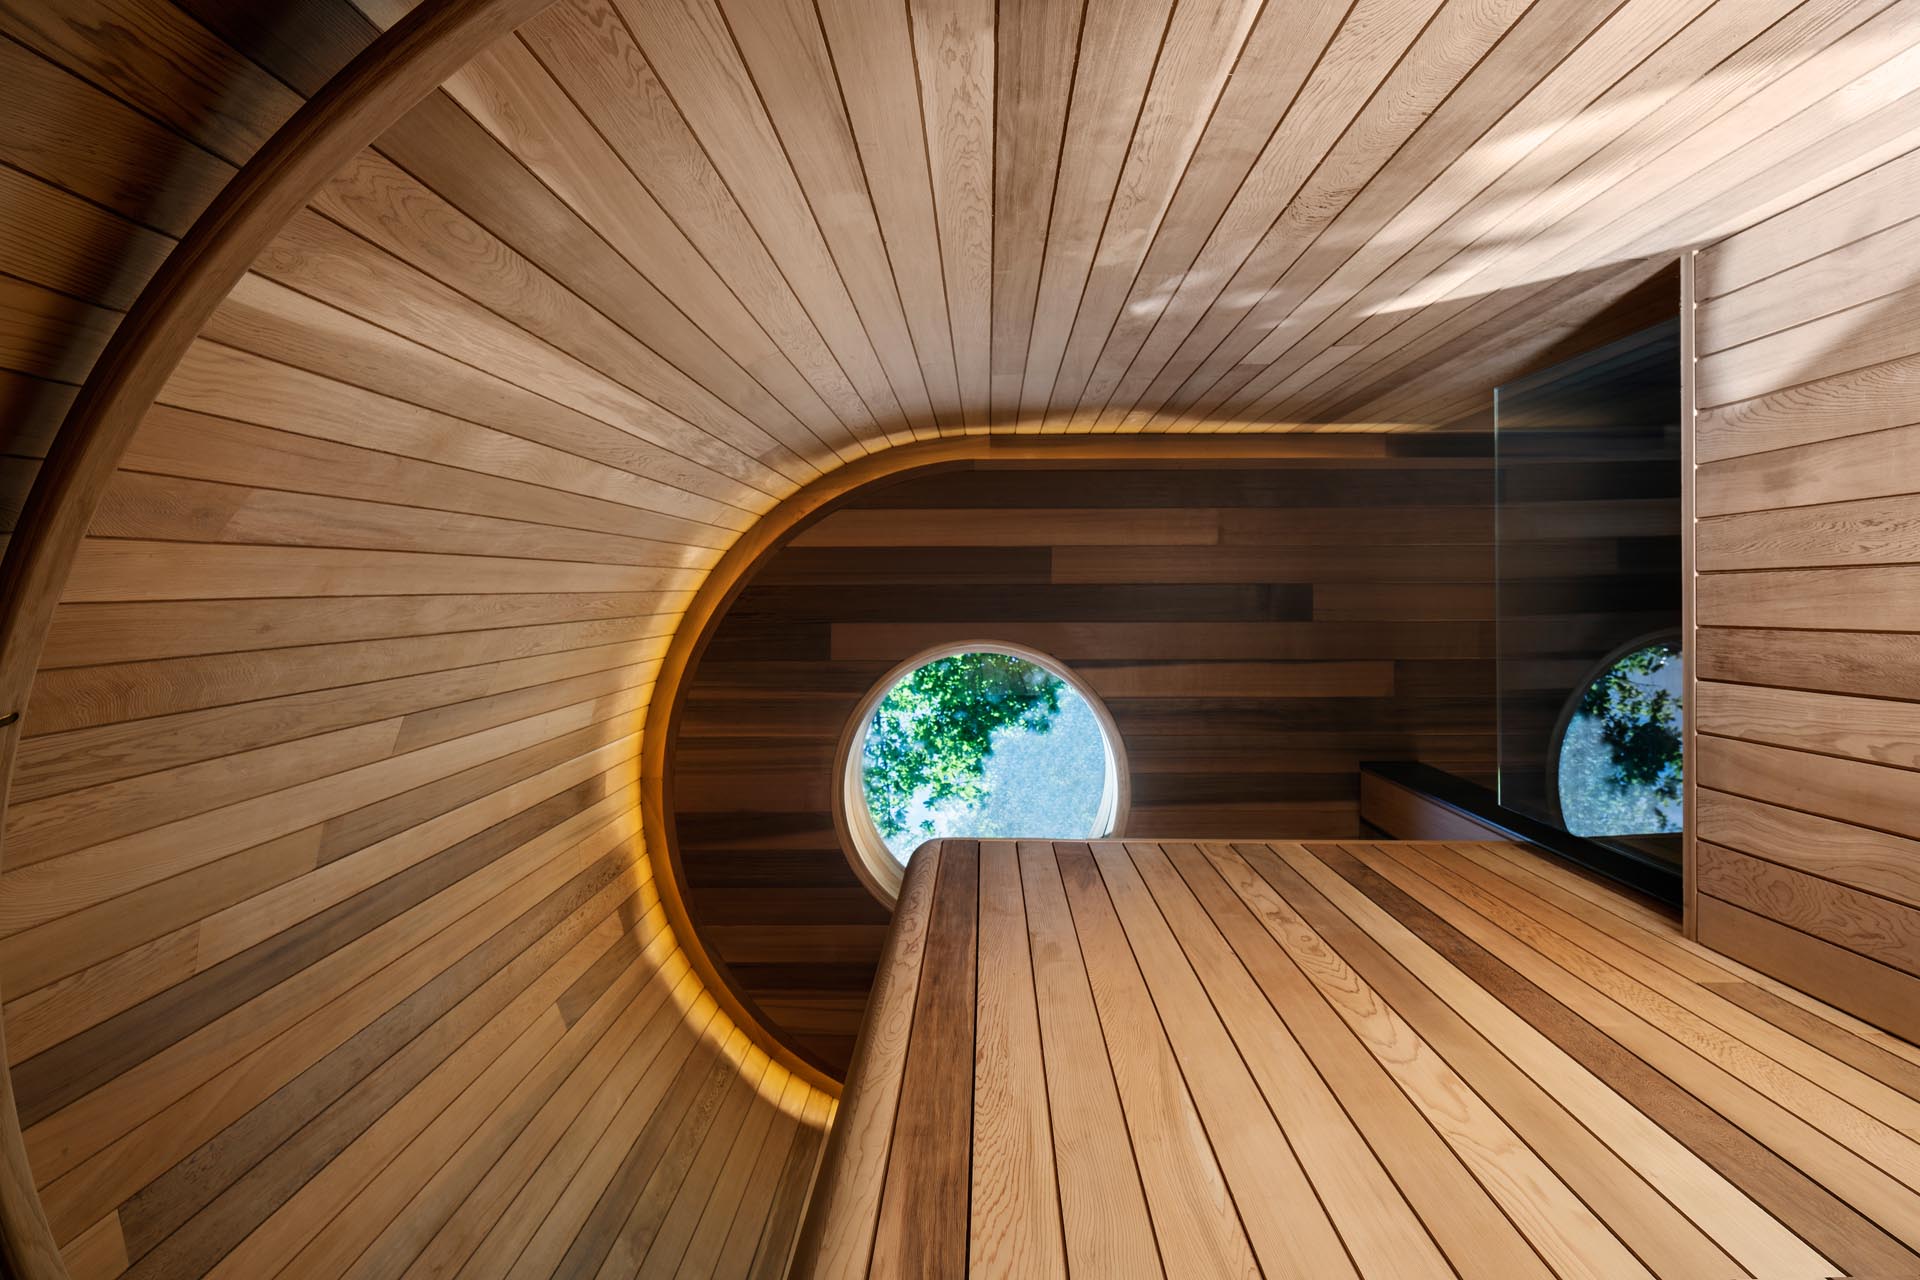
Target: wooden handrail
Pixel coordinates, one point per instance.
(389, 77)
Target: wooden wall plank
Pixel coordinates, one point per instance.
(1803, 599)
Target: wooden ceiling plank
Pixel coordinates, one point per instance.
(1036, 59)
(50, 336)
(507, 92)
(954, 51)
(93, 637)
(1442, 164)
(54, 239)
(787, 53)
(690, 49)
(183, 445)
(588, 49)
(1433, 369)
(871, 47)
(1381, 45)
(386, 206)
(1851, 130)
(1200, 50)
(113, 569)
(288, 337)
(166, 508)
(1281, 51)
(1119, 46)
(317, 256)
(1882, 134)
(168, 65)
(58, 763)
(1641, 73)
(451, 153)
(68, 131)
(216, 379)
(1611, 199)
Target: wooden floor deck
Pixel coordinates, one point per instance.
(1337, 1060)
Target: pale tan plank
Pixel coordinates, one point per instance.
(1015, 1210)
(1102, 1204)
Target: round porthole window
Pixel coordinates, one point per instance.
(1618, 748)
(975, 741)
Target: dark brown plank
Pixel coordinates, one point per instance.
(923, 1213)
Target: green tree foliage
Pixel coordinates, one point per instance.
(930, 737)
(1639, 722)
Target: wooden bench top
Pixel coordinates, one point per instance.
(1389, 1060)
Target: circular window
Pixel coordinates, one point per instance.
(1618, 771)
(975, 741)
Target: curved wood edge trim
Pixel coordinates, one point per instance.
(353, 109)
(779, 526)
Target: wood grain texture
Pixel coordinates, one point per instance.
(136, 361)
(1241, 708)
(1405, 814)
(923, 1224)
(333, 870)
(1450, 1059)
(425, 967)
(1804, 596)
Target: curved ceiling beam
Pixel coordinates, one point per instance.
(393, 74)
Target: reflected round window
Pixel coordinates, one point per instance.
(976, 741)
(1619, 768)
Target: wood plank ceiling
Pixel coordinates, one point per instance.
(372, 611)
(1397, 1061)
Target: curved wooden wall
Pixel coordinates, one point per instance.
(327, 933)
